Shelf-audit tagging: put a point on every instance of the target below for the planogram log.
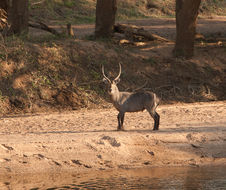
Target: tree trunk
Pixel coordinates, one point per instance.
(4, 8)
(186, 16)
(3, 19)
(19, 16)
(4, 4)
(105, 17)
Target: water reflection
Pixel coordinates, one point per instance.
(207, 178)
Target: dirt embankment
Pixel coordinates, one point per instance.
(190, 134)
(43, 74)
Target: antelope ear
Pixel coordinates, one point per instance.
(105, 80)
(117, 81)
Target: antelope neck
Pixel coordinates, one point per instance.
(115, 96)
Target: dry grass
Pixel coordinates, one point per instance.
(83, 11)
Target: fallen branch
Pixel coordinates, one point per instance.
(43, 26)
(37, 3)
(132, 30)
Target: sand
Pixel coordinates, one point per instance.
(87, 140)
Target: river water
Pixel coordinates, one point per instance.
(173, 178)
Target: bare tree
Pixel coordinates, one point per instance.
(186, 16)
(105, 17)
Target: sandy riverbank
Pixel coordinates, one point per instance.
(190, 134)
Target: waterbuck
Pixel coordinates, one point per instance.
(132, 101)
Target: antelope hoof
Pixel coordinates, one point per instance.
(120, 129)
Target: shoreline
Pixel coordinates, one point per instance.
(84, 141)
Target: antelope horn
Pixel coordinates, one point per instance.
(120, 71)
(105, 75)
